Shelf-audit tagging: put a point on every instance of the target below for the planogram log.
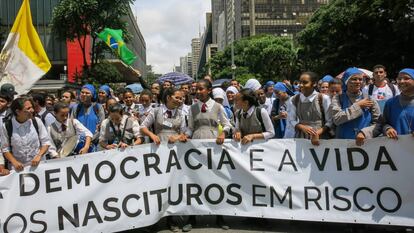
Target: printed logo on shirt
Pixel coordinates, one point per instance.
(380, 95)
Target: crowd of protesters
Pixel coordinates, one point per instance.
(354, 106)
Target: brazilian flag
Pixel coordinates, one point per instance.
(113, 38)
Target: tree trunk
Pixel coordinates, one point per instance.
(83, 49)
(94, 52)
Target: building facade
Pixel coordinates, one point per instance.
(195, 52)
(190, 65)
(205, 40)
(186, 64)
(243, 18)
(217, 7)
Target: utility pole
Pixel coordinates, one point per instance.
(252, 18)
(233, 66)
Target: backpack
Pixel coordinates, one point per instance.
(258, 113)
(390, 85)
(119, 138)
(9, 128)
(43, 116)
(296, 99)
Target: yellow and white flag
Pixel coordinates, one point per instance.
(23, 61)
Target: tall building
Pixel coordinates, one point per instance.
(243, 18)
(195, 52)
(210, 52)
(221, 32)
(183, 65)
(205, 41)
(63, 54)
(217, 7)
(177, 69)
(190, 65)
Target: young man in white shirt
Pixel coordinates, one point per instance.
(381, 90)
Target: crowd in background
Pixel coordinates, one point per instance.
(355, 106)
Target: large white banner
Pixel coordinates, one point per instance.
(283, 179)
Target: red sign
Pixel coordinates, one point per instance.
(75, 57)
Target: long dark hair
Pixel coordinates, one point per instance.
(168, 92)
(249, 96)
(18, 104)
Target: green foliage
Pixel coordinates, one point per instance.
(151, 77)
(359, 33)
(263, 57)
(103, 72)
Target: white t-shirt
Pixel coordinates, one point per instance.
(381, 93)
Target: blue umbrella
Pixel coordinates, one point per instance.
(135, 87)
(175, 77)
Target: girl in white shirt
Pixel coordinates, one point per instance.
(29, 140)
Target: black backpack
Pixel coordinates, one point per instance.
(390, 85)
(258, 115)
(43, 116)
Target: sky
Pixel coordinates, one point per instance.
(168, 27)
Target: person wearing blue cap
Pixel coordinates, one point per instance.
(398, 116)
(323, 84)
(308, 112)
(351, 111)
(89, 113)
(104, 94)
(279, 108)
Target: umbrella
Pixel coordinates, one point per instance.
(365, 71)
(135, 87)
(175, 77)
(219, 82)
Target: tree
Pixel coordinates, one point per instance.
(102, 72)
(359, 33)
(151, 76)
(74, 20)
(264, 57)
